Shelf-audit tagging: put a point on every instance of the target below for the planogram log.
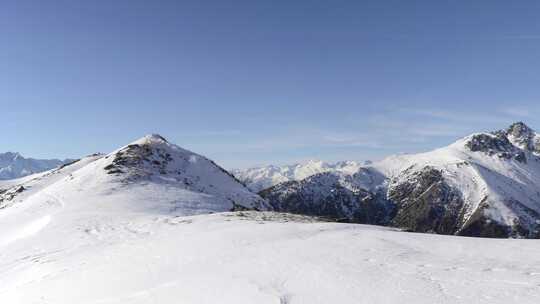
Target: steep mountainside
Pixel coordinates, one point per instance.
(487, 184)
(261, 178)
(13, 165)
(348, 197)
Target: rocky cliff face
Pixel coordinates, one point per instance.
(426, 202)
(524, 137)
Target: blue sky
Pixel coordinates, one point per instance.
(255, 82)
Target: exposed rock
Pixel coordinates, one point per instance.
(7, 195)
(330, 195)
(524, 137)
(426, 203)
(495, 144)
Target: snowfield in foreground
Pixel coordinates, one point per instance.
(252, 257)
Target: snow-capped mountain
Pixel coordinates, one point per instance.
(148, 174)
(14, 165)
(261, 178)
(134, 226)
(486, 184)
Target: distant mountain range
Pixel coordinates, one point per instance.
(14, 165)
(486, 184)
(260, 178)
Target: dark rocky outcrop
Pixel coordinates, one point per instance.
(136, 156)
(7, 195)
(426, 203)
(496, 144)
(330, 195)
(523, 136)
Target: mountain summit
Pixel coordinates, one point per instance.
(150, 175)
(524, 137)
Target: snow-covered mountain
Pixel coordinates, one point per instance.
(149, 175)
(14, 165)
(486, 184)
(134, 227)
(261, 178)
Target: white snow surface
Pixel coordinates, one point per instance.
(260, 178)
(99, 256)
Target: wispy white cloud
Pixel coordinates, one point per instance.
(518, 111)
(374, 134)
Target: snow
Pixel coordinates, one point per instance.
(258, 258)
(161, 234)
(182, 182)
(492, 182)
(261, 178)
(26, 231)
(478, 175)
(14, 165)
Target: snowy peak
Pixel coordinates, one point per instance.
(524, 137)
(10, 156)
(515, 142)
(261, 178)
(147, 176)
(153, 155)
(520, 130)
(485, 184)
(495, 144)
(14, 165)
(151, 139)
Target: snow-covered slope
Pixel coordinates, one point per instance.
(149, 175)
(486, 184)
(261, 178)
(126, 258)
(13, 165)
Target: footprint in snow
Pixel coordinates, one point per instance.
(285, 299)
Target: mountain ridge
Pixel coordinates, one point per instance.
(157, 174)
(259, 178)
(13, 165)
(485, 184)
